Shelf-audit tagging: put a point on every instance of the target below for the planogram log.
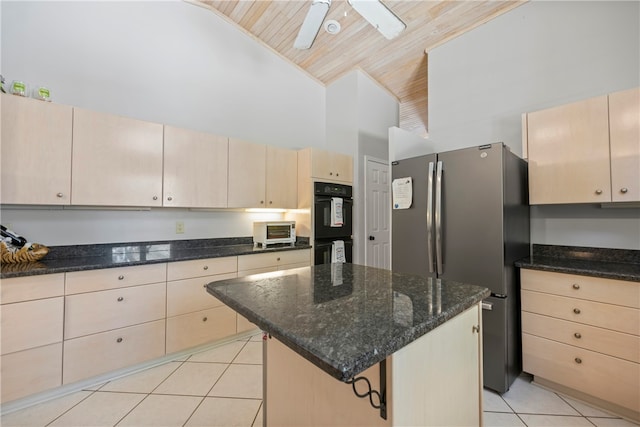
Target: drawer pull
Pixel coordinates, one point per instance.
(204, 319)
(206, 267)
(575, 286)
(119, 340)
(577, 335)
(475, 328)
(278, 259)
(576, 310)
(578, 360)
(121, 277)
(120, 299)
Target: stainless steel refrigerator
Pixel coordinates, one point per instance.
(469, 221)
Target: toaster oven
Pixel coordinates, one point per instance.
(272, 232)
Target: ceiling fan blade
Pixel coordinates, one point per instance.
(379, 16)
(312, 23)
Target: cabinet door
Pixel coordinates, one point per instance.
(569, 153)
(30, 371)
(247, 171)
(282, 171)
(36, 152)
(342, 167)
(624, 123)
(117, 161)
(31, 324)
(321, 164)
(195, 169)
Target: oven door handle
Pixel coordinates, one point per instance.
(328, 199)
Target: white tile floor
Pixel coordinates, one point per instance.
(223, 387)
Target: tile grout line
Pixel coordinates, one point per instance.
(214, 384)
(82, 400)
(256, 416)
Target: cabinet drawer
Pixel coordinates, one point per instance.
(295, 257)
(186, 296)
(618, 318)
(100, 353)
(605, 377)
(112, 278)
(31, 324)
(190, 330)
(102, 311)
(30, 371)
(244, 273)
(295, 265)
(617, 344)
(610, 291)
(270, 259)
(201, 267)
(31, 287)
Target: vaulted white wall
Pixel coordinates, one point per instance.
(164, 61)
(536, 56)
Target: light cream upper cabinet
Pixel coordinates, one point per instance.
(36, 152)
(568, 150)
(117, 161)
(282, 171)
(195, 169)
(326, 165)
(247, 169)
(624, 123)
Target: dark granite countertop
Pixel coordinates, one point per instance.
(62, 259)
(345, 318)
(620, 264)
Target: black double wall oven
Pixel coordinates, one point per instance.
(324, 233)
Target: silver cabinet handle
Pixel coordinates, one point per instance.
(475, 329)
(578, 360)
(331, 173)
(430, 218)
(576, 310)
(169, 198)
(337, 174)
(624, 190)
(577, 335)
(59, 195)
(119, 340)
(155, 197)
(120, 299)
(598, 191)
(262, 202)
(438, 217)
(206, 267)
(487, 306)
(575, 286)
(204, 319)
(121, 277)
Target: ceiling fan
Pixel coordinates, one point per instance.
(374, 11)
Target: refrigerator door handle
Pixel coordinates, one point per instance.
(438, 217)
(430, 217)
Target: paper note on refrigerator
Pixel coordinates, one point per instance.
(402, 189)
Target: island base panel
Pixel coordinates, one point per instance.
(298, 393)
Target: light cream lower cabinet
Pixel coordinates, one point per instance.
(31, 335)
(193, 316)
(267, 262)
(581, 335)
(272, 261)
(114, 318)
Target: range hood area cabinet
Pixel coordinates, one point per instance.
(585, 152)
(248, 162)
(61, 155)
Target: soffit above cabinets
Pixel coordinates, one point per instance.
(398, 65)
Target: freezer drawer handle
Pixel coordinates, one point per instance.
(487, 306)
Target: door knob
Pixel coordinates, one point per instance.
(372, 238)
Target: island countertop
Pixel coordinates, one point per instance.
(345, 318)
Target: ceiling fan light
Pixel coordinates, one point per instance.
(312, 24)
(378, 15)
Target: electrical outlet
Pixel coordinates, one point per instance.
(179, 227)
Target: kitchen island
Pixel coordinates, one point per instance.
(417, 341)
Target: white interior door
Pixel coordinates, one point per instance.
(377, 214)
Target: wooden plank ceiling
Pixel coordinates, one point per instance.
(398, 65)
